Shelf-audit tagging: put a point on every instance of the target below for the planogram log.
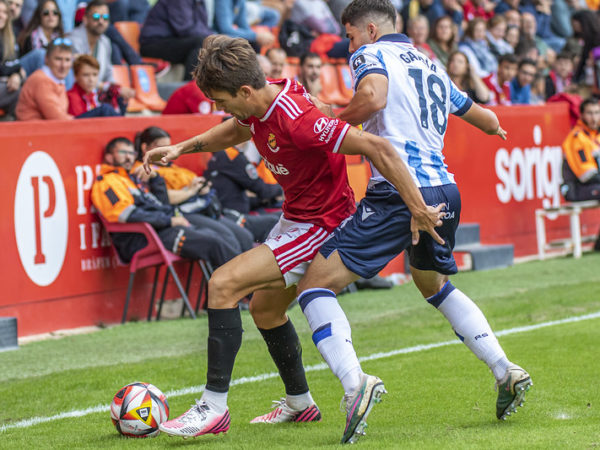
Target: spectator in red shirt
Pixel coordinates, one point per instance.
(478, 8)
(84, 98)
(499, 82)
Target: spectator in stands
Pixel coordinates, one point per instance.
(230, 19)
(11, 72)
(89, 38)
(560, 77)
(512, 36)
(85, 100)
(538, 89)
(174, 31)
(483, 9)
(529, 31)
(310, 73)
(454, 10)
(465, 78)
(418, 30)
(259, 14)
(496, 30)
(128, 10)
(315, 15)
(475, 46)
(188, 99)
(581, 150)
(499, 82)
(542, 11)
(513, 18)
(277, 57)
(443, 39)
(43, 95)
(586, 26)
(520, 86)
(121, 196)
(68, 9)
(15, 8)
(44, 26)
(193, 195)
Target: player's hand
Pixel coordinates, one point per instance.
(427, 221)
(179, 221)
(501, 132)
(160, 155)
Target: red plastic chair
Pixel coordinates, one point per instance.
(154, 254)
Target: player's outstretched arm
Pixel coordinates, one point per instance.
(219, 137)
(370, 97)
(484, 119)
(385, 158)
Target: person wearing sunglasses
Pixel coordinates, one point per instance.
(44, 26)
(44, 96)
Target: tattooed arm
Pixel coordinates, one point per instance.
(219, 137)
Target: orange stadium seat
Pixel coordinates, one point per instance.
(146, 91)
(345, 80)
(121, 76)
(130, 32)
(330, 85)
(154, 254)
(291, 68)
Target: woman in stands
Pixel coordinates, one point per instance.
(11, 73)
(45, 26)
(466, 79)
(193, 195)
(476, 47)
(443, 39)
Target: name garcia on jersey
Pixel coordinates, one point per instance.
(409, 57)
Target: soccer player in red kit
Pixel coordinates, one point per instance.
(302, 147)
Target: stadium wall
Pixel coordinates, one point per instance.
(57, 269)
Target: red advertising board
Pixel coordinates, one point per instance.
(57, 270)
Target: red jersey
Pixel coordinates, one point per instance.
(299, 145)
(500, 95)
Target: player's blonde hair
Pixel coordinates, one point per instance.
(227, 64)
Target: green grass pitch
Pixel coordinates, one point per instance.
(440, 397)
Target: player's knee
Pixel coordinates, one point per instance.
(264, 317)
(222, 290)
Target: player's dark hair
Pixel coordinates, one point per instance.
(227, 64)
(308, 55)
(114, 142)
(588, 101)
(359, 10)
(148, 136)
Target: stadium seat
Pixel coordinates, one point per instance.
(146, 91)
(345, 80)
(130, 32)
(154, 254)
(330, 85)
(121, 77)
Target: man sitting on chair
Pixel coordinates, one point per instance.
(121, 196)
(581, 150)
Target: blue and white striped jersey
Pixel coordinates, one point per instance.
(420, 97)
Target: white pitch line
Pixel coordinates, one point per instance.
(322, 366)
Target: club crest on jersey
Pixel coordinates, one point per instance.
(272, 143)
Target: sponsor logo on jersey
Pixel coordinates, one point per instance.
(272, 143)
(366, 213)
(320, 124)
(326, 127)
(358, 61)
(278, 169)
(252, 128)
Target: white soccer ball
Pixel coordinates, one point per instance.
(138, 409)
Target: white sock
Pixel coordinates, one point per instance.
(471, 326)
(299, 402)
(217, 401)
(332, 335)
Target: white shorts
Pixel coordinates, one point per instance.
(294, 245)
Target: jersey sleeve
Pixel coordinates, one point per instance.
(459, 101)
(313, 130)
(364, 62)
